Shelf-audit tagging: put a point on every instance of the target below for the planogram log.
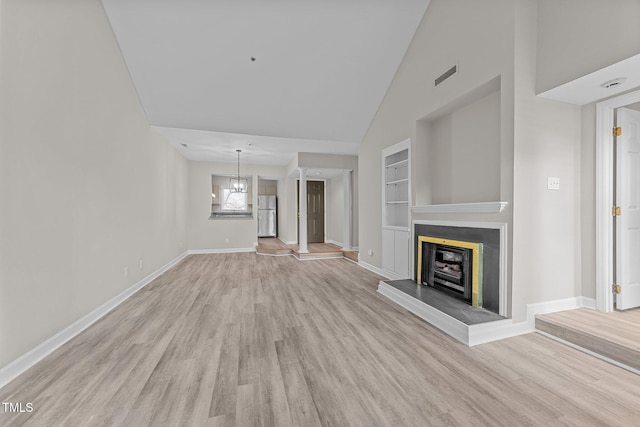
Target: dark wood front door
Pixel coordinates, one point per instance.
(315, 211)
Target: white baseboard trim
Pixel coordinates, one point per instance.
(588, 302)
(591, 353)
(557, 305)
(353, 261)
(33, 356)
(373, 269)
(334, 242)
(290, 242)
(467, 334)
(219, 251)
(392, 276)
(495, 331)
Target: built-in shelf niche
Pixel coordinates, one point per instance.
(396, 190)
(459, 150)
(396, 182)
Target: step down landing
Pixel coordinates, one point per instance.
(606, 334)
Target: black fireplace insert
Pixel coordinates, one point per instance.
(448, 268)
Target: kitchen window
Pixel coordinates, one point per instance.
(228, 199)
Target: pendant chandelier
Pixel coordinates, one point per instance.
(238, 184)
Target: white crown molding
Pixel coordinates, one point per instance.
(33, 356)
(483, 207)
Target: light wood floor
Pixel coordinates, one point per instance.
(244, 339)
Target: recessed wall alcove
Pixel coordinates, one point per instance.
(456, 188)
(458, 149)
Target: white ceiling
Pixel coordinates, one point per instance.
(587, 89)
(265, 150)
(321, 69)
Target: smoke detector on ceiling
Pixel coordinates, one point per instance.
(614, 82)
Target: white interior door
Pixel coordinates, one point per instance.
(628, 199)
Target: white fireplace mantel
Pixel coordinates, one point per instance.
(483, 207)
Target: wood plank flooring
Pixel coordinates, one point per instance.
(250, 340)
(275, 246)
(275, 243)
(615, 335)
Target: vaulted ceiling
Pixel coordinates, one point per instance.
(270, 77)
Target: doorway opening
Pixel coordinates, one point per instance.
(614, 175)
(315, 211)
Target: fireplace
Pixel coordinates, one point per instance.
(451, 265)
(489, 241)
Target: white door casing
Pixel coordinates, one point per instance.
(627, 228)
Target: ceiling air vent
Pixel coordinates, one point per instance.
(450, 72)
(615, 82)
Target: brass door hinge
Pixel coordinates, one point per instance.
(616, 211)
(617, 131)
(616, 289)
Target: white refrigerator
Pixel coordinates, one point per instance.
(267, 217)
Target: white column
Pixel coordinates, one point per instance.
(348, 203)
(302, 215)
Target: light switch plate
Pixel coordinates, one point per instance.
(553, 183)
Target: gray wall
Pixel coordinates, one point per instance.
(546, 226)
(335, 209)
(87, 188)
(527, 45)
(577, 37)
(588, 200)
(464, 153)
(484, 60)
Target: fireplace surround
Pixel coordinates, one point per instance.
(488, 261)
(455, 316)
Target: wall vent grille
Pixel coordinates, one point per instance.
(450, 72)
